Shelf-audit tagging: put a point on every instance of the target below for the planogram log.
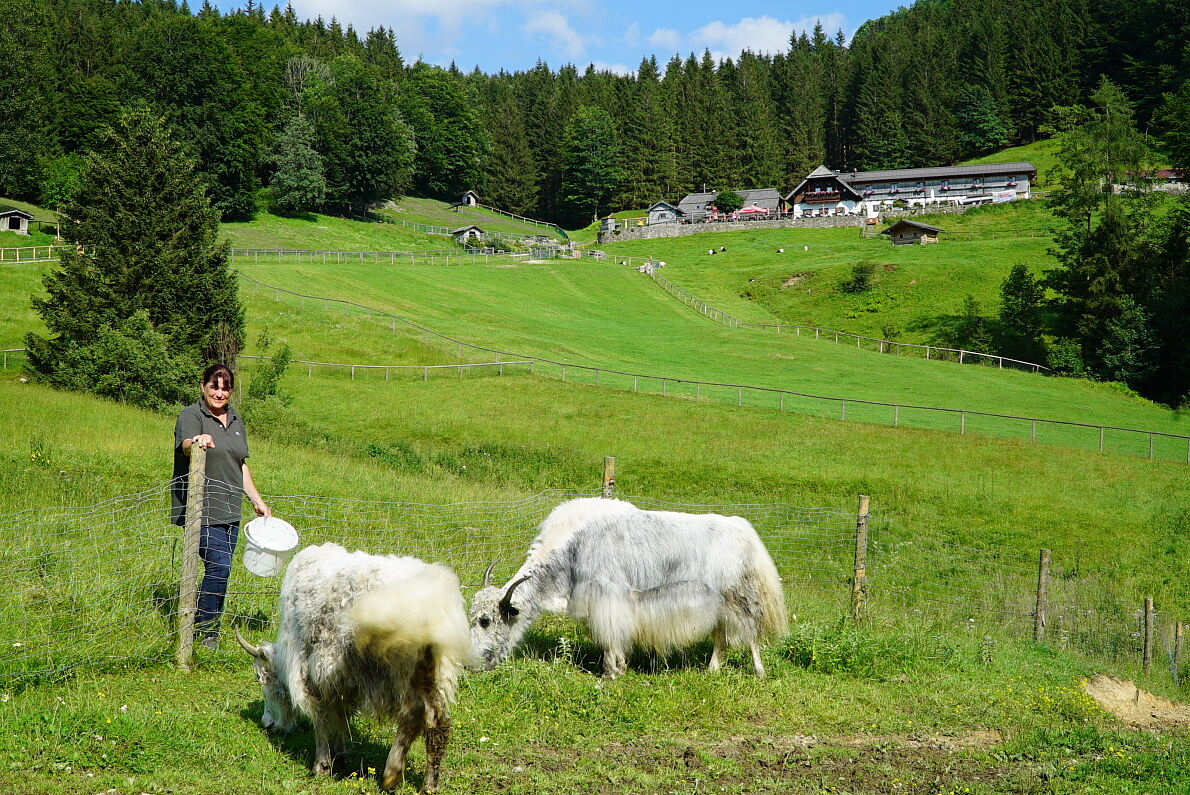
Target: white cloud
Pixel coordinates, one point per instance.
(614, 68)
(667, 38)
(759, 34)
(632, 35)
(556, 28)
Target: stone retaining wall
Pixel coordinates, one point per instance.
(825, 222)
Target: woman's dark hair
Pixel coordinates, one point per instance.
(216, 371)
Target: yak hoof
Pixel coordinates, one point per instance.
(322, 768)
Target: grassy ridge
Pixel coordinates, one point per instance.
(607, 315)
(918, 290)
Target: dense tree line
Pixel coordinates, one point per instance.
(244, 91)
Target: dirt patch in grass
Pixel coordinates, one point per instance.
(1138, 708)
(794, 280)
(857, 764)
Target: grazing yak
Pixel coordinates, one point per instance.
(656, 579)
(382, 634)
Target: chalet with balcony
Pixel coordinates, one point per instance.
(826, 192)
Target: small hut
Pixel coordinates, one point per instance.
(465, 234)
(905, 232)
(14, 220)
(469, 199)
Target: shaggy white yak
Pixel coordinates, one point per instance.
(656, 579)
(383, 634)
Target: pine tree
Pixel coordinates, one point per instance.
(510, 174)
(24, 73)
(1021, 302)
(298, 184)
(148, 243)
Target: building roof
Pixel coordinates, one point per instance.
(655, 205)
(944, 172)
(905, 225)
(467, 228)
(769, 198)
(6, 211)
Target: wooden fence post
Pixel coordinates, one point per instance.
(609, 476)
(1148, 653)
(188, 588)
(1043, 596)
(1178, 631)
(859, 583)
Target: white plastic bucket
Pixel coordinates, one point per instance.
(270, 542)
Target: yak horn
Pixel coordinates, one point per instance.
(487, 574)
(248, 647)
(506, 602)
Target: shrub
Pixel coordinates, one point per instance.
(863, 276)
(1065, 357)
(129, 362)
(843, 648)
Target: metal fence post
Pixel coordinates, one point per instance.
(859, 582)
(1043, 589)
(188, 587)
(609, 476)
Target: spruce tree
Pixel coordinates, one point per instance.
(148, 267)
(298, 184)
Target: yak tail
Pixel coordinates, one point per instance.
(774, 622)
(422, 612)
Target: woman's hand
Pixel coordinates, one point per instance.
(203, 440)
(260, 507)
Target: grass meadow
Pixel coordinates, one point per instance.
(918, 291)
(940, 690)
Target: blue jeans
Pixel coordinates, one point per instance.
(215, 547)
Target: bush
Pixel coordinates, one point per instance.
(1066, 358)
(863, 276)
(728, 201)
(843, 648)
(129, 362)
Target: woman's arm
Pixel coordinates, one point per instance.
(258, 504)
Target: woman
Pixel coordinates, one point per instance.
(214, 425)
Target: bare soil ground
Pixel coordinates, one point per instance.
(1138, 708)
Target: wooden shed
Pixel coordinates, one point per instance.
(14, 220)
(469, 199)
(465, 234)
(905, 232)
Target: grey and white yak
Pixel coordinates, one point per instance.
(655, 579)
(382, 634)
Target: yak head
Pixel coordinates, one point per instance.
(278, 707)
(496, 624)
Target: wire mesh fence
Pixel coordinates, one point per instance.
(97, 587)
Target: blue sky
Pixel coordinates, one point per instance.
(612, 34)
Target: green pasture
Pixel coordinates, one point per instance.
(439, 213)
(796, 275)
(906, 701)
(328, 232)
(1043, 154)
(600, 314)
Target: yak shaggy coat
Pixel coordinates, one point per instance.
(382, 634)
(656, 579)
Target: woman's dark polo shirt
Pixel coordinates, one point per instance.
(224, 495)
